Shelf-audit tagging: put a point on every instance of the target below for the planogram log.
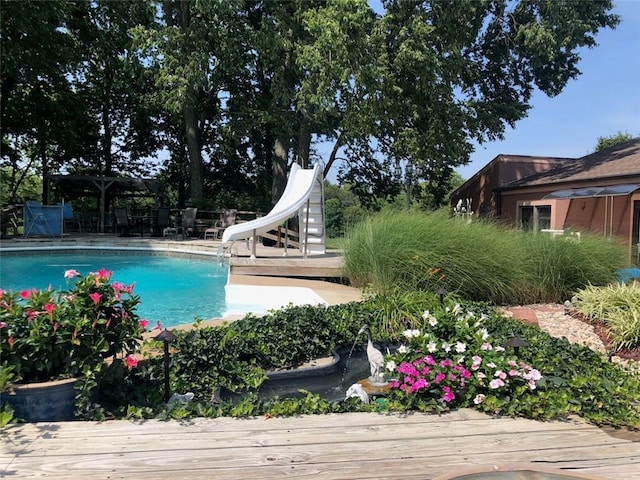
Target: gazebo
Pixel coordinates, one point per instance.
(77, 186)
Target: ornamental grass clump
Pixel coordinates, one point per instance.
(47, 334)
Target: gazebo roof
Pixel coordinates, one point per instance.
(78, 185)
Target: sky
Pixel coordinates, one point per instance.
(602, 101)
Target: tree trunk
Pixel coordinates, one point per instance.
(192, 130)
(332, 157)
(194, 148)
(304, 142)
(279, 167)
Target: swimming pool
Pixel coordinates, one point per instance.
(172, 290)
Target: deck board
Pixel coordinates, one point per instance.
(353, 445)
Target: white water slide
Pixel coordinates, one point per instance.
(304, 196)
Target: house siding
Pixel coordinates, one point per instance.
(509, 181)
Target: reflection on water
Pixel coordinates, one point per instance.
(330, 386)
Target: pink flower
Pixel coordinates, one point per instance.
(25, 294)
(117, 289)
(439, 377)
(49, 307)
(30, 315)
(132, 361)
(158, 326)
(496, 383)
(144, 323)
(55, 327)
(104, 274)
(11, 341)
(95, 297)
(448, 394)
(533, 375)
(421, 383)
(3, 324)
(71, 273)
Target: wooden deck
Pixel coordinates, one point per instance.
(337, 446)
(320, 266)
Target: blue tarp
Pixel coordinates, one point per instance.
(42, 220)
(627, 274)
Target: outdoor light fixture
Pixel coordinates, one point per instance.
(567, 307)
(442, 292)
(516, 343)
(166, 337)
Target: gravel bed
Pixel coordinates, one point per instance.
(552, 319)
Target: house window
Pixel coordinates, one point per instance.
(535, 217)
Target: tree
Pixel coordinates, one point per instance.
(40, 114)
(425, 79)
(612, 141)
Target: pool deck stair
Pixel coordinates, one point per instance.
(335, 446)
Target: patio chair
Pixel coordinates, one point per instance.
(124, 222)
(161, 221)
(228, 219)
(187, 223)
(71, 222)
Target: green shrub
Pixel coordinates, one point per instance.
(480, 261)
(557, 267)
(618, 307)
(575, 380)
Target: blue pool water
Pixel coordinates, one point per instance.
(172, 290)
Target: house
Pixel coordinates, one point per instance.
(597, 193)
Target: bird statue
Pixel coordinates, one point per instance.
(375, 357)
(358, 391)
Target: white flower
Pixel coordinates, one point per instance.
(402, 349)
(457, 309)
(484, 332)
(432, 347)
(390, 365)
(461, 360)
(411, 333)
(446, 347)
(461, 347)
(433, 321)
(499, 349)
(479, 399)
